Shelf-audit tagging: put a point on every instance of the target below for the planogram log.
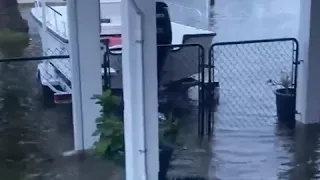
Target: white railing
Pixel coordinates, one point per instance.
(56, 21)
(185, 15)
(36, 4)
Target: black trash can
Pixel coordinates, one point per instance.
(212, 2)
(286, 106)
(165, 154)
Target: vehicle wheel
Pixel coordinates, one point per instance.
(46, 95)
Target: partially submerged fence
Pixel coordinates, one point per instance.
(181, 85)
(182, 80)
(229, 87)
(243, 70)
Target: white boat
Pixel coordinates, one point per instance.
(55, 75)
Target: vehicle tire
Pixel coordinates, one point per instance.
(46, 95)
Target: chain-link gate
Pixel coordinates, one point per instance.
(243, 70)
(182, 80)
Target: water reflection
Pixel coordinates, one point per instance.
(265, 154)
(303, 146)
(255, 19)
(242, 151)
(24, 124)
(18, 130)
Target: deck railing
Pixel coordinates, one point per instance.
(59, 23)
(179, 14)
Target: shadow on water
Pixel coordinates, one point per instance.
(302, 147)
(21, 117)
(21, 146)
(280, 154)
(34, 138)
(18, 130)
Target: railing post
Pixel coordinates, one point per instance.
(64, 27)
(55, 21)
(44, 26)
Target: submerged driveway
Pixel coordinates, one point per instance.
(251, 145)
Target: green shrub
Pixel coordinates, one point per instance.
(110, 128)
(13, 43)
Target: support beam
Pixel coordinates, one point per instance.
(308, 96)
(84, 34)
(140, 89)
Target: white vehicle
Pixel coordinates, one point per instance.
(55, 75)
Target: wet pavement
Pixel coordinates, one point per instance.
(247, 142)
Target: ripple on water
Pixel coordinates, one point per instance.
(243, 153)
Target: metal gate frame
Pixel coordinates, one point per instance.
(211, 65)
(202, 108)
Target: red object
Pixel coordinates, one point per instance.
(62, 98)
(113, 41)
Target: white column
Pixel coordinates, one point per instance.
(44, 32)
(140, 89)
(308, 92)
(84, 34)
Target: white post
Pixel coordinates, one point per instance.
(140, 89)
(44, 39)
(84, 27)
(308, 96)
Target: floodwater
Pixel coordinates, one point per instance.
(248, 143)
(245, 145)
(33, 138)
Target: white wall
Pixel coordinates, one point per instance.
(308, 96)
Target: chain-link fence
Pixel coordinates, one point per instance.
(243, 70)
(181, 79)
(181, 89)
(181, 62)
